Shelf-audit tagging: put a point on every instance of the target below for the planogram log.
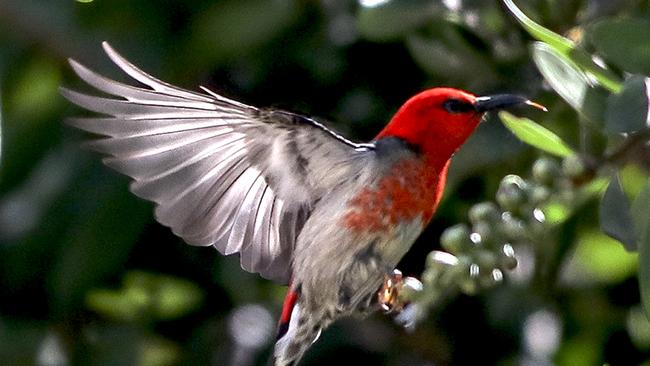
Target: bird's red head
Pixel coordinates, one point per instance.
(438, 121)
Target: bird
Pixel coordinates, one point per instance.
(301, 204)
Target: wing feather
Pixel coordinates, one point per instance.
(221, 173)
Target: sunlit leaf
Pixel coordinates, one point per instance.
(603, 259)
(176, 297)
(535, 135)
(638, 327)
(597, 186)
(565, 78)
(633, 179)
(146, 296)
(623, 42)
(571, 83)
(117, 304)
(565, 47)
(170, 297)
(627, 111)
(561, 44)
(615, 217)
(604, 76)
(555, 213)
(641, 214)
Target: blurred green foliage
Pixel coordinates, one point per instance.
(88, 277)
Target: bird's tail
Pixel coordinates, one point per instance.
(296, 331)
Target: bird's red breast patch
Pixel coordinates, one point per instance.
(411, 189)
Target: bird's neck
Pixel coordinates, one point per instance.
(435, 138)
(435, 150)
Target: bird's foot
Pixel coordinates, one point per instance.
(388, 295)
(391, 295)
(395, 295)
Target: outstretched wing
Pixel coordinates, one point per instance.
(221, 173)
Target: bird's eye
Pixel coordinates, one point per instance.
(457, 106)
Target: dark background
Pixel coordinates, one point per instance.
(88, 277)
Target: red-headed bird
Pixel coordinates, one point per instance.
(297, 201)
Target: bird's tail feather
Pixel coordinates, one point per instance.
(296, 332)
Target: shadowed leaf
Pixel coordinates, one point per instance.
(615, 217)
(627, 111)
(623, 42)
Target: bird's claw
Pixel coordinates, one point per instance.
(388, 295)
(393, 299)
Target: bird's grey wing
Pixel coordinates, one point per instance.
(221, 173)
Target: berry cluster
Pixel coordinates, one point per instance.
(477, 254)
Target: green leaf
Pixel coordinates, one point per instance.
(390, 20)
(535, 135)
(623, 42)
(118, 304)
(641, 215)
(605, 77)
(172, 297)
(641, 212)
(556, 213)
(567, 48)
(146, 296)
(559, 43)
(638, 327)
(615, 217)
(602, 259)
(571, 83)
(627, 111)
(563, 76)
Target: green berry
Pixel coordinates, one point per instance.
(545, 170)
(438, 259)
(486, 259)
(457, 272)
(484, 211)
(573, 166)
(511, 194)
(483, 232)
(539, 194)
(411, 288)
(513, 228)
(468, 286)
(507, 259)
(491, 278)
(431, 275)
(455, 239)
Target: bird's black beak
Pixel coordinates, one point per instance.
(503, 101)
